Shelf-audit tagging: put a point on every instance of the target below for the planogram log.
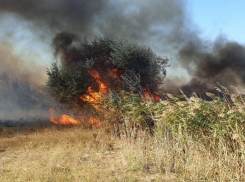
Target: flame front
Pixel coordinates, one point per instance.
(64, 120)
(68, 120)
(94, 98)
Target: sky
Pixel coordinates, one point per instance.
(211, 18)
(219, 17)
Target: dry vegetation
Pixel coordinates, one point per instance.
(194, 140)
(76, 154)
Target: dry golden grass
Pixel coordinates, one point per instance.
(68, 154)
(77, 154)
(194, 140)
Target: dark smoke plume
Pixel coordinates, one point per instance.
(164, 25)
(158, 24)
(141, 20)
(222, 61)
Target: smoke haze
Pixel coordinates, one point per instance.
(164, 25)
(135, 19)
(222, 61)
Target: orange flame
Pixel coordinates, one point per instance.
(68, 120)
(94, 98)
(102, 85)
(115, 73)
(64, 120)
(147, 94)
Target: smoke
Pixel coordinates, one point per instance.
(220, 61)
(14, 65)
(154, 23)
(19, 100)
(164, 25)
(22, 96)
(143, 21)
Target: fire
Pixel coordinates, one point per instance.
(102, 85)
(94, 98)
(115, 73)
(68, 120)
(147, 94)
(64, 120)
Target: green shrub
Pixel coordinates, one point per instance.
(137, 66)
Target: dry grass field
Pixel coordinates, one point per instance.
(77, 154)
(194, 140)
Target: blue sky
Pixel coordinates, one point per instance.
(215, 17)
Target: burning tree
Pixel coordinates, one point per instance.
(90, 70)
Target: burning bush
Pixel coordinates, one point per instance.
(91, 69)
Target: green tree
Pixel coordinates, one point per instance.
(138, 68)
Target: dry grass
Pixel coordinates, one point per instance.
(194, 140)
(70, 154)
(76, 154)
